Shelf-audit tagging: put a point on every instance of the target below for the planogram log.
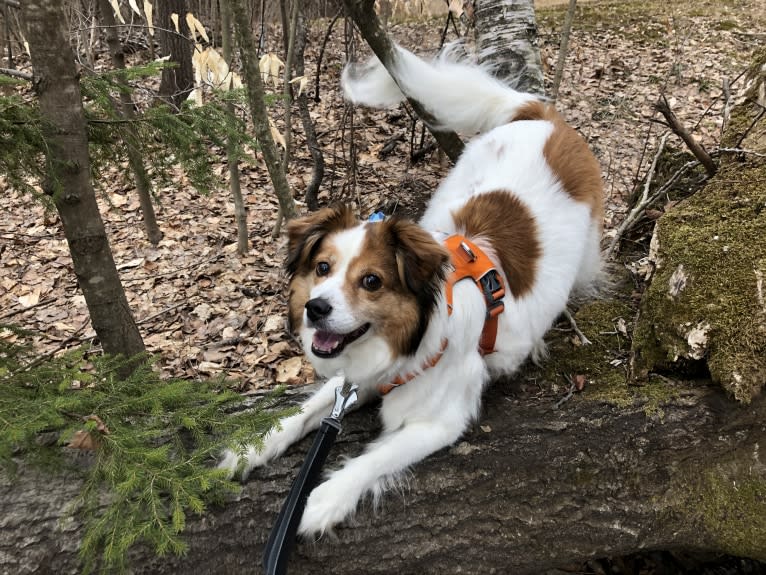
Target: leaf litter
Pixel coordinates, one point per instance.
(206, 311)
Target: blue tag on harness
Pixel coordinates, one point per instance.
(377, 217)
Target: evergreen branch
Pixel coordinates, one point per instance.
(152, 472)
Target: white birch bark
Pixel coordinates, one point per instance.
(506, 37)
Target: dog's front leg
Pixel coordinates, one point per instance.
(336, 499)
(290, 430)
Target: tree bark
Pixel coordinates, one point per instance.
(252, 77)
(177, 82)
(58, 90)
(566, 30)
(531, 488)
(506, 37)
(143, 185)
(317, 172)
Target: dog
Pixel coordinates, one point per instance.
(378, 303)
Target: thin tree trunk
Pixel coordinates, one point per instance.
(317, 173)
(287, 91)
(232, 148)
(177, 82)
(363, 14)
(252, 77)
(7, 29)
(132, 139)
(563, 49)
(58, 90)
(506, 36)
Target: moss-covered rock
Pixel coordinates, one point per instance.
(706, 303)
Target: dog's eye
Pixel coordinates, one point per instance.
(323, 268)
(371, 282)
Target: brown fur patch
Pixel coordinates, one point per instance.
(411, 265)
(507, 224)
(304, 235)
(305, 238)
(569, 157)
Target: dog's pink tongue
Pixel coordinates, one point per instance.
(326, 341)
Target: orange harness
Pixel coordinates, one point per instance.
(468, 261)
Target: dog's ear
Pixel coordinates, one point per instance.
(305, 234)
(421, 260)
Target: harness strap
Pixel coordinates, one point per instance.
(471, 262)
(384, 388)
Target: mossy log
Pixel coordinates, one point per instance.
(531, 488)
(706, 305)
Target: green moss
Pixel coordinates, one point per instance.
(603, 363)
(705, 303)
(726, 25)
(712, 252)
(733, 513)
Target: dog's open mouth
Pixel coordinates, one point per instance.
(327, 344)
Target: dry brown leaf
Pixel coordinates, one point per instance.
(32, 298)
(288, 370)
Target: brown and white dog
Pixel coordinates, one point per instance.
(370, 301)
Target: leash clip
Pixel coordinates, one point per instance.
(345, 397)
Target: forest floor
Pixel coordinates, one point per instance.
(205, 311)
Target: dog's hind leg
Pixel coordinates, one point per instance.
(290, 430)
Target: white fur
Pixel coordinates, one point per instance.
(432, 411)
(463, 97)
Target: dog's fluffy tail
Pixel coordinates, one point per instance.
(462, 97)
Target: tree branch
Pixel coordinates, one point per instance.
(663, 107)
(363, 14)
(16, 74)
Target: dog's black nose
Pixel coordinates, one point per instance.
(318, 308)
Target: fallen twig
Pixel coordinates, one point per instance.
(628, 222)
(41, 303)
(17, 74)
(568, 396)
(663, 107)
(584, 340)
(161, 312)
(719, 151)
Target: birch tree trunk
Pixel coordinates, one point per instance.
(58, 89)
(506, 37)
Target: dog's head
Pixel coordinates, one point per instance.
(361, 294)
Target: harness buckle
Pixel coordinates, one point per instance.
(494, 291)
(468, 252)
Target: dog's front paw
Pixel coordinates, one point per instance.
(234, 464)
(329, 504)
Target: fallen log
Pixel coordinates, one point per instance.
(528, 489)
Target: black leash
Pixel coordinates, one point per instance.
(282, 535)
